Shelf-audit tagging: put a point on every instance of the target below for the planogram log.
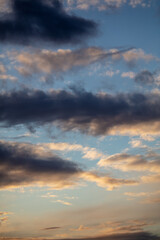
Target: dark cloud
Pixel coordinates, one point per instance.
(24, 164)
(126, 236)
(51, 228)
(90, 113)
(145, 77)
(43, 20)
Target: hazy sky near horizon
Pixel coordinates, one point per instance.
(80, 119)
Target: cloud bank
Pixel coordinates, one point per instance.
(95, 114)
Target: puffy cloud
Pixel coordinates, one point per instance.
(89, 153)
(48, 61)
(103, 5)
(64, 60)
(42, 20)
(95, 114)
(5, 77)
(61, 61)
(128, 75)
(128, 162)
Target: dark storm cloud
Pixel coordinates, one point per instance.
(90, 113)
(43, 20)
(24, 164)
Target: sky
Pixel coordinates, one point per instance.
(79, 119)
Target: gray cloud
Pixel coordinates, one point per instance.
(50, 228)
(96, 114)
(41, 20)
(145, 77)
(25, 164)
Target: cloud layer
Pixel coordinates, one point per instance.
(95, 114)
(126, 236)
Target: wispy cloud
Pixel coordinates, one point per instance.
(63, 202)
(107, 182)
(129, 162)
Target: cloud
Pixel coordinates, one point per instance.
(88, 153)
(48, 195)
(151, 178)
(138, 54)
(128, 75)
(42, 20)
(5, 77)
(147, 197)
(80, 228)
(145, 77)
(137, 143)
(25, 164)
(4, 213)
(95, 114)
(127, 236)
(103, 5)
(128, 162)
(63, 202)
(51, 228)
(107, 182)
(61, 61)
(124, 227)
(2, 69)
(4, 217)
